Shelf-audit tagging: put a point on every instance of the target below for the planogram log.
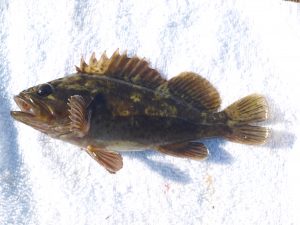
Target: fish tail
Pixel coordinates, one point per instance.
(244, 112)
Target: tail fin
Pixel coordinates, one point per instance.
(250, 109)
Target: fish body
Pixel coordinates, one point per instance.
(121, 104)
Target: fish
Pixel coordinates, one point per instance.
(120, 103)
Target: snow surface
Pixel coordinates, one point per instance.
(242, 47)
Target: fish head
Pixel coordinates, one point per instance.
(45, 107)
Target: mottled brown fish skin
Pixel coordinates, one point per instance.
(120, 104)
(125, 99)
(151, 118)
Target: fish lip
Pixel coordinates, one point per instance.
(32, 112)
(22, 116)
(26, 106)
(30, 107)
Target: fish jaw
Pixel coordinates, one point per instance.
(32, 112)
(26, 106)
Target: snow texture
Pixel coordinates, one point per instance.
(242, 47)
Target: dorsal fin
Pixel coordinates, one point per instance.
(194, 90)
(120, 66)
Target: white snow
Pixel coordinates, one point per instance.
(242, 47)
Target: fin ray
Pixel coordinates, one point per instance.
(192, 150)
(79, 116)
(248, 134)
(111, 161)
(120, 66)
(250, 109)
(241, 114)
(194, 90)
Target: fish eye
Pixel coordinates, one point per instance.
(45, 90)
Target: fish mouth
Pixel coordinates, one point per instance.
(31, 110)
(27, 108)
(39, 115)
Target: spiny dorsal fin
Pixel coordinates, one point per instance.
(120, 66)
(195, 90)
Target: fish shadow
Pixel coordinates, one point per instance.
(172, 172)
(217, 154)
(167, 170)
(279, 139)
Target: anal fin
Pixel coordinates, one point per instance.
(111, 161)
(191, 150)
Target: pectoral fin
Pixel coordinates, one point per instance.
(191, 150)
(111, 161)
(79, 115)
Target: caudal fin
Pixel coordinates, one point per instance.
(248, 134)
(250, 109)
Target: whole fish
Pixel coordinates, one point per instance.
(121, 104)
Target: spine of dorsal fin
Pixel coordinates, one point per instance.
(119, 66)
